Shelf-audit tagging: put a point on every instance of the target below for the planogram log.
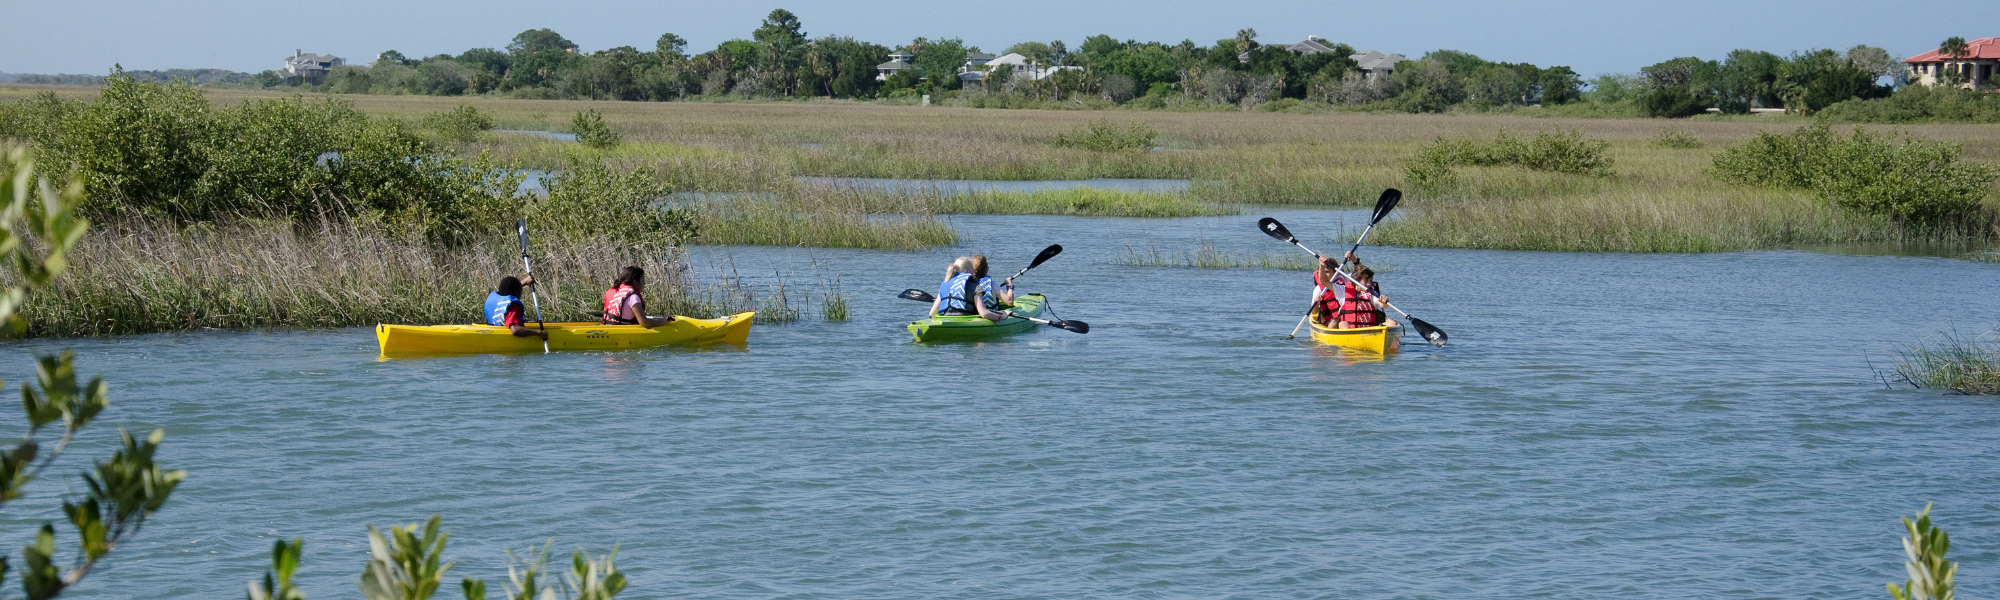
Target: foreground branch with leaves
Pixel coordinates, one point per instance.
(405, 564)
(38, 227)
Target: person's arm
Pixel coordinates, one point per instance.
(934, 306)
(1006, 294)
(517, 322)
(979, 302)
(639, 314)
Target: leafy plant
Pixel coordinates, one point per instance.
(277, 584)
(592, 131)
(1103, 135)
(404, 564)
(589, 200)
(1676, 137)
(1930, 574)
(1557, 151)
(1916, 182)
(461, 124)
(37, 231)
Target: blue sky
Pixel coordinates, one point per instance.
(1593, 37)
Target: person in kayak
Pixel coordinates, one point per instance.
(967, 291)
(503, 307)
(1359, 305)
(1003, 293)
(625, 304)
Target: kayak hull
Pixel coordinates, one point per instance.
(1380, 340)
(407, 340)
(962, 328)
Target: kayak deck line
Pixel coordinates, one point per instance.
(408, 340)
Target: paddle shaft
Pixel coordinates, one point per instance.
(534, 295)
(1343, 274)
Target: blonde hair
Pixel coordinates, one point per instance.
(962, 265)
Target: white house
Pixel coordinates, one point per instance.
(1023, 67)
(309, 66)
(1376, 64)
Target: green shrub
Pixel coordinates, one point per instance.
(1917, 182)
(1676, 137)
(591, 200)
(461, 124)
(34, 117)
(164, 151)
(1930, 574)
(1556, 151)
(1920, 104)
(1105, 136)
(591, 130)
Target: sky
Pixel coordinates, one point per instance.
(1593, 37)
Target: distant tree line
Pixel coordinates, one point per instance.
(780, 60)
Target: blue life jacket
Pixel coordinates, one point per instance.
(496, 308)
(951, 295)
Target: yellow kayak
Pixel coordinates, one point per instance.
(403, 340)
(1380, 339)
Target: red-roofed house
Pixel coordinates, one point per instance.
(1980, 64)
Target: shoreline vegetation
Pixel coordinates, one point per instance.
(432, 179)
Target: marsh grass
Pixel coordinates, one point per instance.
(1953, 362)
(142, 277)
(1205, 256)
(1660, 199)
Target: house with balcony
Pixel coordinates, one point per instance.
(310, 67)
(1979, 66)
(1376, 64)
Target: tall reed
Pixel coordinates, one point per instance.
(1954, 362)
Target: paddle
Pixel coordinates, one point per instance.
(1047, 253)
(1431, 333)
(1383, 205)
(1076, 326)
(521, 227)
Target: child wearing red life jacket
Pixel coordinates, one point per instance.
(624, 303)
(1355, 306)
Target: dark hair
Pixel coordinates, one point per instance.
(629, 275)
(978, 267)
(509, 286)
(1364, 273)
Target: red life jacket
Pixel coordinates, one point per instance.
(614, 305)
(1329, 300)
(1358, 311)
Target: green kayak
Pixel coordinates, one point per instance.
(958, 328)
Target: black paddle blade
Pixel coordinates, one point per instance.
(917, 295)
(1385, 204)
(1430, 332)
(1076, 326)
(1047, 253)
(521, 227)
(1273, 228)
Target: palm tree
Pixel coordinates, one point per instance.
(1953, 47)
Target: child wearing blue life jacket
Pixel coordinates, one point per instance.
(503, 307)
(967, 290)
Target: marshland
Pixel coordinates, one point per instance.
(1652, 365)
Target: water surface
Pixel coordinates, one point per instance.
(1603, 425)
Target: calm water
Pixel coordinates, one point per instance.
(960, 186)
(1603, 425)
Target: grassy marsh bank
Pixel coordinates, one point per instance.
(1660, 197)
(145, 277)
